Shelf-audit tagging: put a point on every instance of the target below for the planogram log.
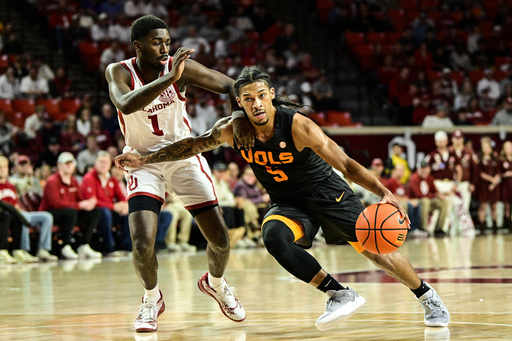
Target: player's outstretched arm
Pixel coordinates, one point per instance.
(129, 101)
(222, 132)
(306, 134)
(203, 77)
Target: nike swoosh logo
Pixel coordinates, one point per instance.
(401, 221)
(341, 196)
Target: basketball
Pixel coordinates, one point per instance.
(381, 228)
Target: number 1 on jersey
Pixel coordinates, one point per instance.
(281, 176)
(154, 122)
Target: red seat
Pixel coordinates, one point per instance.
(339, 118)
(319, 118)
(475, 76)
(70, 105)
(51, 105)
(408, 5)
(429, 4)
(25, 106)
(458, 76)
(499, 75)
(88, 48)
(502, 60)
(376, 38)
(410, 16)
(6, 106)
(393, 37)
(433, 75)
(252, 36)
(323, 7)
(354, 38)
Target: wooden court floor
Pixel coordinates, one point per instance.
(80, 300)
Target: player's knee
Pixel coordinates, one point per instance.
(276, 235)
(220, 243)
(143, 247)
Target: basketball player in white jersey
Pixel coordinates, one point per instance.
(149, 94)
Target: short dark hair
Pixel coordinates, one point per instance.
(143, 25)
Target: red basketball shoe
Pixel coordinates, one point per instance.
(228, 303)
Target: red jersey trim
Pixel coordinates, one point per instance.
(137, 71)
(204, 204)
(207, 176)
(132, 83)
(151, 195)
(178, 92)
(187, 123)
(121, 119)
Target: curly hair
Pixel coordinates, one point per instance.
(143, 25)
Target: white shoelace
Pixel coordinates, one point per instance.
(147, 311)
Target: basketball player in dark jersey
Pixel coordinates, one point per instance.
(294, 160)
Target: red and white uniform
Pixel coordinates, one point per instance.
(157, 125)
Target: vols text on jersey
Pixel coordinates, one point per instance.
(265, 158)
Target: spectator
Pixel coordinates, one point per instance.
(448, 85)
(110, 121)
(498, 45)
(422, 187)
(445, 20)
(231, 208)
(285, 39)
(467, 160)
(177, 242)
(63, 199)
(83, 124)
(408, 41)
(193, 41)
(412, 206)
(61, 86)
(48, 131)
(71, 140)
(439, 120)
(254, 205)
(504, 115)
(32, 86)
(209, 31)
(20, 66)
(475, 113)
(235, 34)
(462, 118)
(111, 54)
(464, 95)
(196, 17)
(445, 168)
(100, 30)
(423, 58)
(468, 20)
(482, 57)
(233, 174)
(506, 81)
(488, 171)
(98, 183)
(243, 22)
(120, 30)
(431, 40)
(473, 39)
(396, 158)
(506, 183)
(29, 190)
(11, 220)
(7, 133)
(422, 110)
(44, 71)
(9, 84)
(369, 198)
(134, 9)
(489, 82)
(153, 7)
(323, 93)
(440, 58)
(221, 47)
(459, 59)
(50, 155)
(35, 122)
(111, 8)
(198, 124)
(421, 25)
(87, 157)
(102, 135)
(487, 104)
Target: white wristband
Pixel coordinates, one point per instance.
(237, 114)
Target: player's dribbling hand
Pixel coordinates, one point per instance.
(129, 160)
(178, 61)
(389, 198)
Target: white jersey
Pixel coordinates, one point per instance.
(158, 124)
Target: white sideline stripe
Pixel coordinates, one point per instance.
(250, 321)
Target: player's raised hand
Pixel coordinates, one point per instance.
(243, 132)
(178, 61)
(130, 160)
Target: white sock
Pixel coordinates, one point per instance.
(215, 282)
(153, 295)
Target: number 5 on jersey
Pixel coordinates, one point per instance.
(281, 176)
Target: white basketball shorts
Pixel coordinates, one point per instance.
(189, 179)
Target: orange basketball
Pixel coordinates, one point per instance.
(381, 228)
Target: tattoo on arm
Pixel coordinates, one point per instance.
(188, 147)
